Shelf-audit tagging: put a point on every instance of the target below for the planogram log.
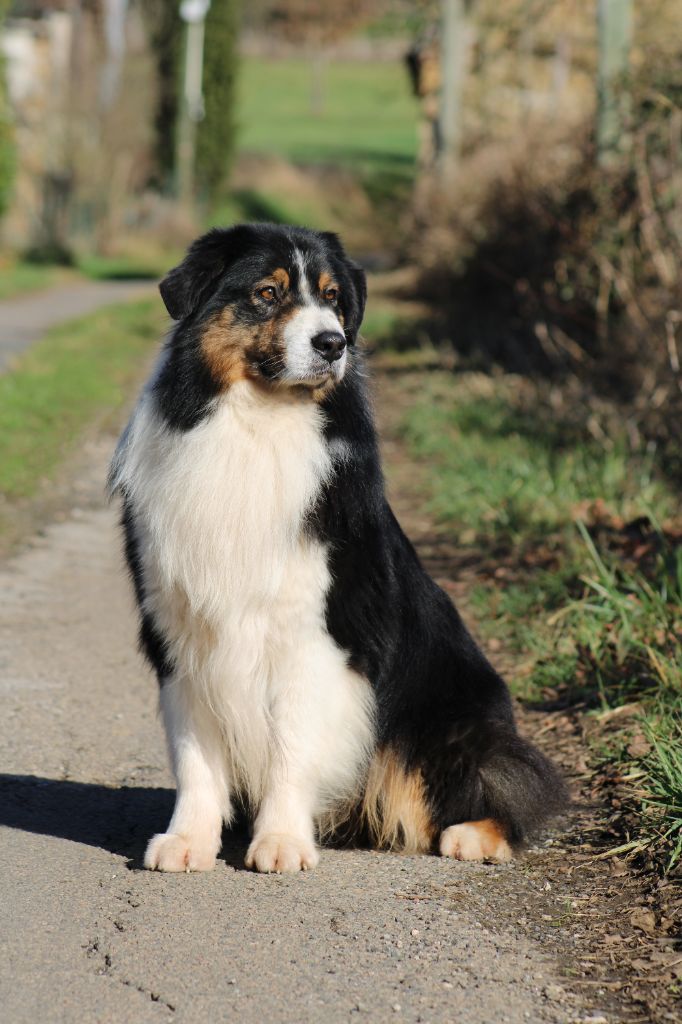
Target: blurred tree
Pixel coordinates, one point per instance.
(165, 30)
(6, 133)
(216, 135)
(456, 41)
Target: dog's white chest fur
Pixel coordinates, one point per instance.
(237, 586)
(224, 502)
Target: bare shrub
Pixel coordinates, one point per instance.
(545, 264)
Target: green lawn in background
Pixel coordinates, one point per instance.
(18, 277)
(81, 371)
(368, 120)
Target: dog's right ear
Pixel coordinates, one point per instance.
(185, 288)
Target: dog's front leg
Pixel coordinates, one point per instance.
(323, 721)
(202, 802)
(284, 834)
(284, 838)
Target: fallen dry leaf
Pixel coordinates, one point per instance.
(644, 920)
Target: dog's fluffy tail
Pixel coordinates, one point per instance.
(519, 787)
(499, 776)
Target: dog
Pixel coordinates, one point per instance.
(309, 668)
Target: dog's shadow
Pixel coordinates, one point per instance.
(120, 820)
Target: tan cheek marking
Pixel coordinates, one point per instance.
(395, 809)
(223, 345)
(270, 334)
(268, 341)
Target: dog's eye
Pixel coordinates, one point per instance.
(331, 295)
(268, 294)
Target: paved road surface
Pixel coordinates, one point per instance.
(25, 319)
(87, 936)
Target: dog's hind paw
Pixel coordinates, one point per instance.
(475, 840)
(170, 852)
(280, 853)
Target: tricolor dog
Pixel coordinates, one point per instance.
(309, 668)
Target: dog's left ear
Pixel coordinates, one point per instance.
(353, 300)
(185, 288)
(359, 279)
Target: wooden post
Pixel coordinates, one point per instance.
(614, 25)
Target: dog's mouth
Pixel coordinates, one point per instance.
(317, 373)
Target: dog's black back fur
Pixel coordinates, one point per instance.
(442, 707)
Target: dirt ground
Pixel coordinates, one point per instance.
(86, 935)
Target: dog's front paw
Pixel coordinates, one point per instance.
(280, 853)
(475, 840)
(170, 852)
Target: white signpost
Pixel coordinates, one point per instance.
(193, 13)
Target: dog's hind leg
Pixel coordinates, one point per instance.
(497, 793)
(475, 840)
(202, 803)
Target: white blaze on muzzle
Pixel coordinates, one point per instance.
(302, 361)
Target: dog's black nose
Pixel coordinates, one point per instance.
(330, 345)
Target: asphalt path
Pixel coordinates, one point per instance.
(86, 935)
(26, 318)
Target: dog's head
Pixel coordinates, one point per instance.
(279, 305)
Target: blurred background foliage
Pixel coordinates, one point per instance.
(6, 134)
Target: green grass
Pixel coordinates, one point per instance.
(367, 127)
(382, 316)
(275, 206)
(602, 626)
(513, 478)
(127, 268)
(367, 123)
(18, 277)
(79, 372)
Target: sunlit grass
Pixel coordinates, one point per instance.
(601, 628)
(79, 371)
(508, 476)
(17, 277)
(367, 118)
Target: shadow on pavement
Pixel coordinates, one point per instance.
(118, 819)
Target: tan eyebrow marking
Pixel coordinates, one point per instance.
(281, 276)
(326, 281)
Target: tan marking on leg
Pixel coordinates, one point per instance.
(475, 840)
(394, 808)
